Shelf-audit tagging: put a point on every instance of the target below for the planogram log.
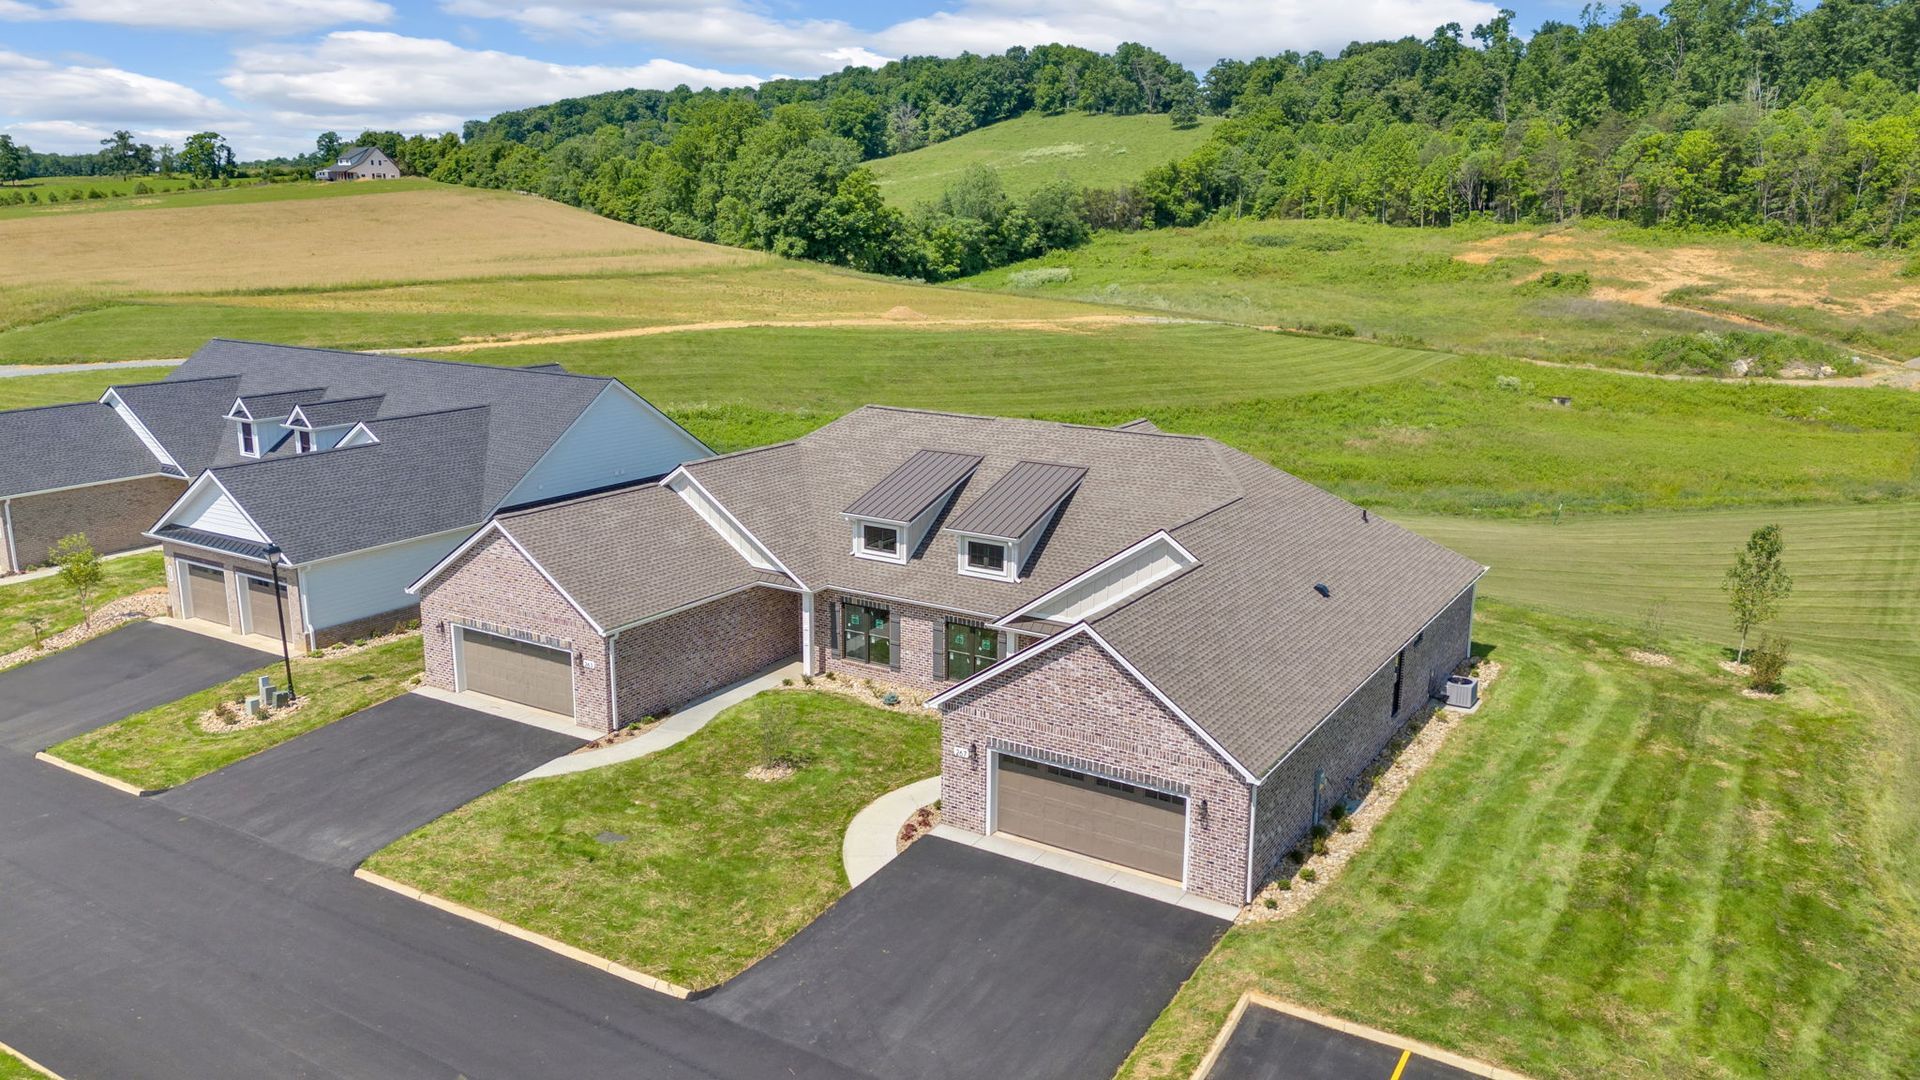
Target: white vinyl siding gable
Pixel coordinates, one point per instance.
(695, 498)
(210, 509)
(1125, 577)
(618, 439)
(371, 582)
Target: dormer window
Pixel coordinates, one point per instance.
(986, 557)
(303, 441)
(880, 541)
(249, 441)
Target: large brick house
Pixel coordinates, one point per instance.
(1148, 648)
(345, 476)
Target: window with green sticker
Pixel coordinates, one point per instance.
(970, 648)
(865, 633)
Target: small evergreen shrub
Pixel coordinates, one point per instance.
(1309, 875)
(1767, 663)
(1271, 903)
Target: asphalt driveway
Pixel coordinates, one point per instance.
(1272, 1045)
(343, 792)
(115, 675)
(953, 962)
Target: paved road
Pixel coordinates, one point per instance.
(953, 962)
(339, 794)
(1270, 1045)
(14, 371)
(214, 933)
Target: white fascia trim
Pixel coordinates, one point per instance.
(1082, 629)
(360, 428)
(681, 470)
(96, 483)
(238, 410)
(1331, 713)
(297, 415)
(449, 558)
(1095, 569)
(208, 478)
(127, 416)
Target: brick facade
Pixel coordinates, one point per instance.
(668, 662)
(922, 632)
(234, 566)
(113, 517)
(492, 587)
(1075, 702)
(1343, 746)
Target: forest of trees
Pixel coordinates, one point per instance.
(1739, 115)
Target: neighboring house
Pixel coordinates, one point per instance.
(1148, 648)
(79, 468)
(360, 163)
(354, 472)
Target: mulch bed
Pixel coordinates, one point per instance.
(920, 824)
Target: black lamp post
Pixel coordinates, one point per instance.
(280, 608)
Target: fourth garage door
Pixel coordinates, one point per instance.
(1101, 818)
(517, 671)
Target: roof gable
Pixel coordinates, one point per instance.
(64, 446)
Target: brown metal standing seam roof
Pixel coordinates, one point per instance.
(918, 483)
(1028, 492)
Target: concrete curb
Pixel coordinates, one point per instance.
(30, 1063)
(600, 963)
(875, 830)
(99, 778)
(1334, 1023)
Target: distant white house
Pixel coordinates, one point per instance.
(360, 163)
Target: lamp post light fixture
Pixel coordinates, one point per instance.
(280, 608)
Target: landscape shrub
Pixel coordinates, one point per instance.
(1309, 875)
(1740, 353)
(1509, 383)
(1284, 884)
(1912, 269)
(1767, 663)
(1335, 329)
(1271, 903)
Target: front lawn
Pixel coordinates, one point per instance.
(679, 864)
(1614, 870)
(165, 747)
(50, 599)
(12, 1068)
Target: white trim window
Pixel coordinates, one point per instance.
(879, 540)
(249, 440)
(987, 558)
(302, 441)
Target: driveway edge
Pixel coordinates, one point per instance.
(599, 963)
(97, 777)
(874, 832)
(1334, 1023)
(30, 1063)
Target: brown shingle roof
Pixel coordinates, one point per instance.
(632, 554)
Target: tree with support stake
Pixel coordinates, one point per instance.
(1756, 584)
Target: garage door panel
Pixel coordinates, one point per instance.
(262, 616)
(517, 671)
(206, 593)
(1100, 818)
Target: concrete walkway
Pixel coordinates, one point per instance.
(15, 371)
(49, 571)
(682, 723)
(874, 832)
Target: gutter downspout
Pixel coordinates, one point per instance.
(806, 634)
(6, 519)
(613, 681)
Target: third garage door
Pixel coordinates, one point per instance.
(1102, 818)
(517, 671)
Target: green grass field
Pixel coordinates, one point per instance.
(1465, 289)
(49, 600)
(714, 869)
(173, 193)
(12, 1068)
(1611, 870)
(1032, 150)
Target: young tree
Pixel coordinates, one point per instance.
(1756, 583)
(1185, 110)
(80, 569)
(12, 160)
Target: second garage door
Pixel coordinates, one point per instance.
(262, 619)
(1102, 818)
(206, 590)
(517, 671)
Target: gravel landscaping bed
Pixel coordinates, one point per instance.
(111, 615)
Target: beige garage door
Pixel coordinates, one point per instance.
(206, 593)
(517, 671)
(262, 619)
(1094, 816)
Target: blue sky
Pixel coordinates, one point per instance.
(270, 74)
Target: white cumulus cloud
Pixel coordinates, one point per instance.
(249, 16)
(33, 90)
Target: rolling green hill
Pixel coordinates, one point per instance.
(1031, 150)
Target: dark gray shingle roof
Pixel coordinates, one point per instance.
(1029, 492)
(185, 415)
(667, 557)
(62, 446)
(918, 483)
(426, 475)
(278, 403)
(339, 411)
